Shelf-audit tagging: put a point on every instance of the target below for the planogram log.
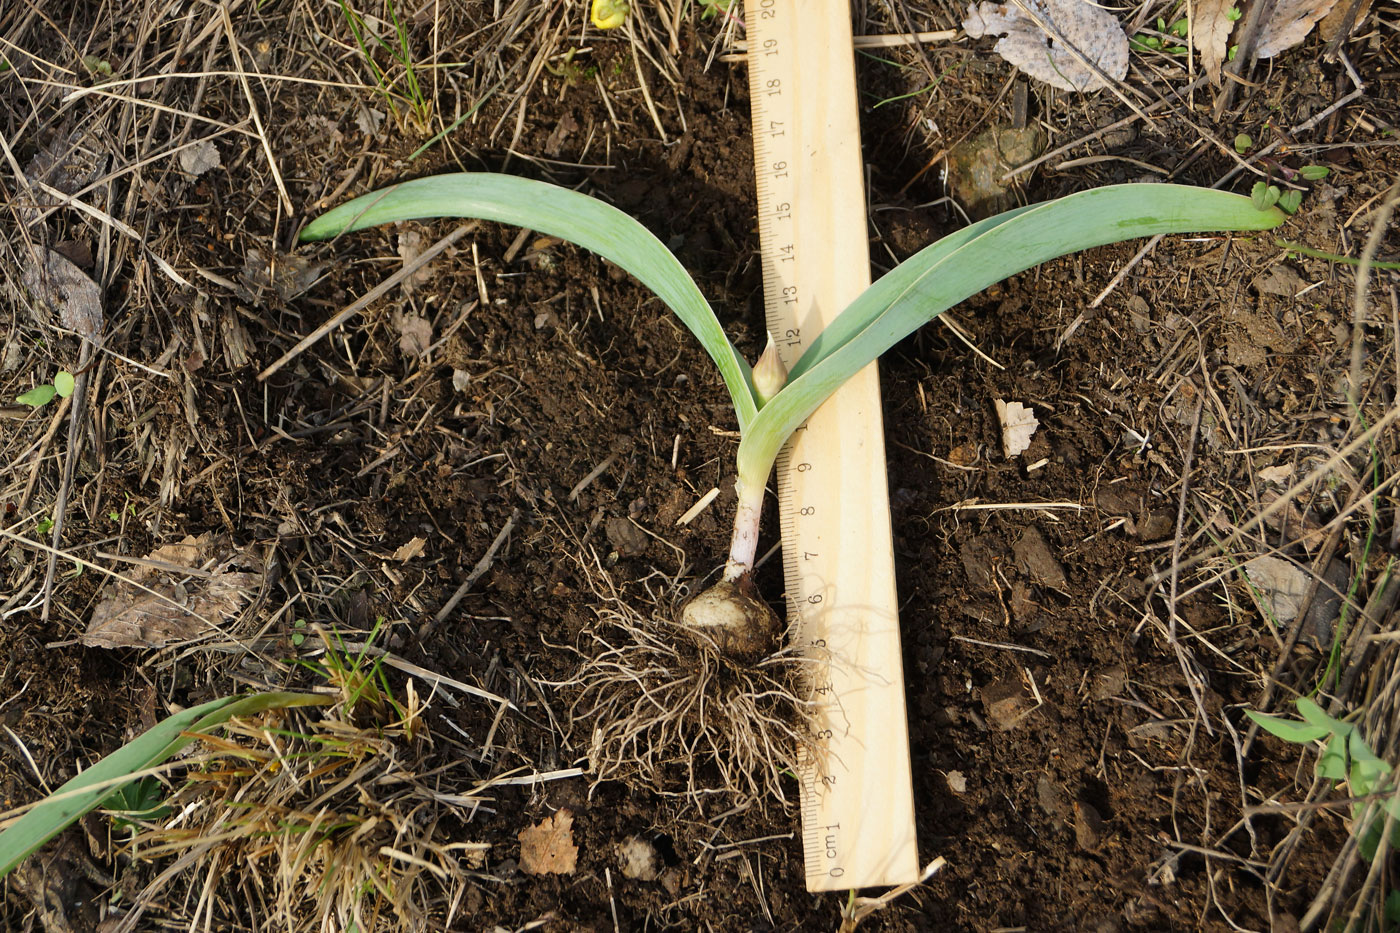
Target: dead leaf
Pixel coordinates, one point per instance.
(410, 248)
(1210, 34)
(1092, 31)
(61, 287)
(1332, 23)
(288, 274)
(411, 549)
(1018, 426)
(415, 333)
(562, 130)
(1278, 475)
(547, 848)
(173, 597)
(1279, 587)
(200, 158)
(1289, 25)
(369, 120)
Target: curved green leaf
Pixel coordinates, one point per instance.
(37, 396)
(88, 790)
(555, 211)
(934, 280)
(1290, 730)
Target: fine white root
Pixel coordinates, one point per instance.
(675, 716)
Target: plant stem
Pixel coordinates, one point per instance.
(744, 542)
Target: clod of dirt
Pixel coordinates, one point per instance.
(741, 625)
(975, 167)
(1088, 826)
(1035, 558)
(1006, 703)
(639, 859)
(547, 848)
(626, 538)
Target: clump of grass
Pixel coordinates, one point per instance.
(315, 820)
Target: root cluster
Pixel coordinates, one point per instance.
(658, 707)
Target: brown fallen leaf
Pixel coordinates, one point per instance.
(410, 549)
(411, 246)
(173, 597)
(1093, 32)
(547, 848)
(415, 333)
(1210, 34)
(1289, 25)
(64, 289)
(1333, 22)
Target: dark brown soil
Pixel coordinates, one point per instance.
(1112, 805)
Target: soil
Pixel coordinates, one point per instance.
(1076, 710)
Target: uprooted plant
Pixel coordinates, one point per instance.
(771, 405)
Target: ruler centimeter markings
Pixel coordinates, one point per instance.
(855, 787)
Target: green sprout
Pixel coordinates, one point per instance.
(771, 406)
(41, 395)
(1243, 143)
(1345, 757)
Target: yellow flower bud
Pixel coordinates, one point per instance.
(609, 14)
(769, 374)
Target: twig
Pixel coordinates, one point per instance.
(481, 567)
(369, 297)
(1379, 226)
(75, 438)
(1188, 667)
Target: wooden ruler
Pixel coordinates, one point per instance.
(857, 801)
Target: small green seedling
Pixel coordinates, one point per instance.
(769, 402)
(1243, 143)
(39, 396)
(1266, 195)
(1345, 757)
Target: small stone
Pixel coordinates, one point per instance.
(639, 859)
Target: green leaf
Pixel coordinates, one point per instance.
(1290, 730)
(37, 396)
(1314, 172)
(1290, 201)
(63, 383)
(1264, 195)
(1316, 715)
(99, 783)
(1367, 770)
(939, 277)
(1333, 763)
(1243, 143)
(555, 211)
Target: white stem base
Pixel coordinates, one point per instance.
(744, 542)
